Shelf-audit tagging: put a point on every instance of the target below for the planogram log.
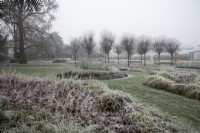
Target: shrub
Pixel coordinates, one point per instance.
(92, 74)
(130, 69)
(184, 77)
(190, 64)
(111, 103)
(95, 66)
(75, 101)
(150, 78)
(193, 91)
(136, 70)
(166, 75)
(14, 120)
(17, 119)
(179, 77)
(180, 89)
(152, 72)
(59, 61)
(188, 90)
(160, 83)
(166, 63)
(124, 69)
(3, 101)
(14, 60)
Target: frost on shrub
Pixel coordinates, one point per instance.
(179, 77)
(92, 74)
(191, 64)
(124, 69)
(3, 101)
(181, 83)
(59, 60)
(130, 69)
(152, 72)
(158, 82)
(136, 70)
(111, 103)
(91, 106)
(94, 66)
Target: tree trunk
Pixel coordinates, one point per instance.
(105, 59)
(118, 58)
(90, 60)
(158, 58)
(141, 58)
(128, 59)
(171, 59)
(75, 58)
(145, 59)
(21, 38)
(108, 59)
(15, 43)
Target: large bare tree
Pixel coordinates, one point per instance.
(145, 43)
(128, 42)
(106, 42)
(158, 46)
(88, 44)
(30, 5)
(3, 41)
(75, 46)
(20, 13)
(172, 46)
(118, 50)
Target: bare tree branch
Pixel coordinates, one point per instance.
(128, 42)
(88, 44)
(158, 46)
(106, 42)
(144, 43)
(75, 46)
(118, 50)
(172, 46)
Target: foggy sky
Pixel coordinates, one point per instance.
(172, 18)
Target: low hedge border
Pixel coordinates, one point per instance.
(191, 91)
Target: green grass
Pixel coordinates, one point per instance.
(42, 70)
(186, 110)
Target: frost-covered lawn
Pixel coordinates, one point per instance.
(184, 110)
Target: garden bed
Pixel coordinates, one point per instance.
(189, 65)
(90, 105)
(182, 83)
(135, 69)
(57, 60)
(92, 74)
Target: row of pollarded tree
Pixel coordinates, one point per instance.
(128, 42)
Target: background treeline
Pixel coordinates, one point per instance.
(26, 31)
(128, 43)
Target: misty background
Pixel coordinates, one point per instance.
(172, 18)
(78, 29)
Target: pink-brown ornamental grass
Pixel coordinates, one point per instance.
(89, 104)
(92, 74)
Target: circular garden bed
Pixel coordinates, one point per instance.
(92, 74)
